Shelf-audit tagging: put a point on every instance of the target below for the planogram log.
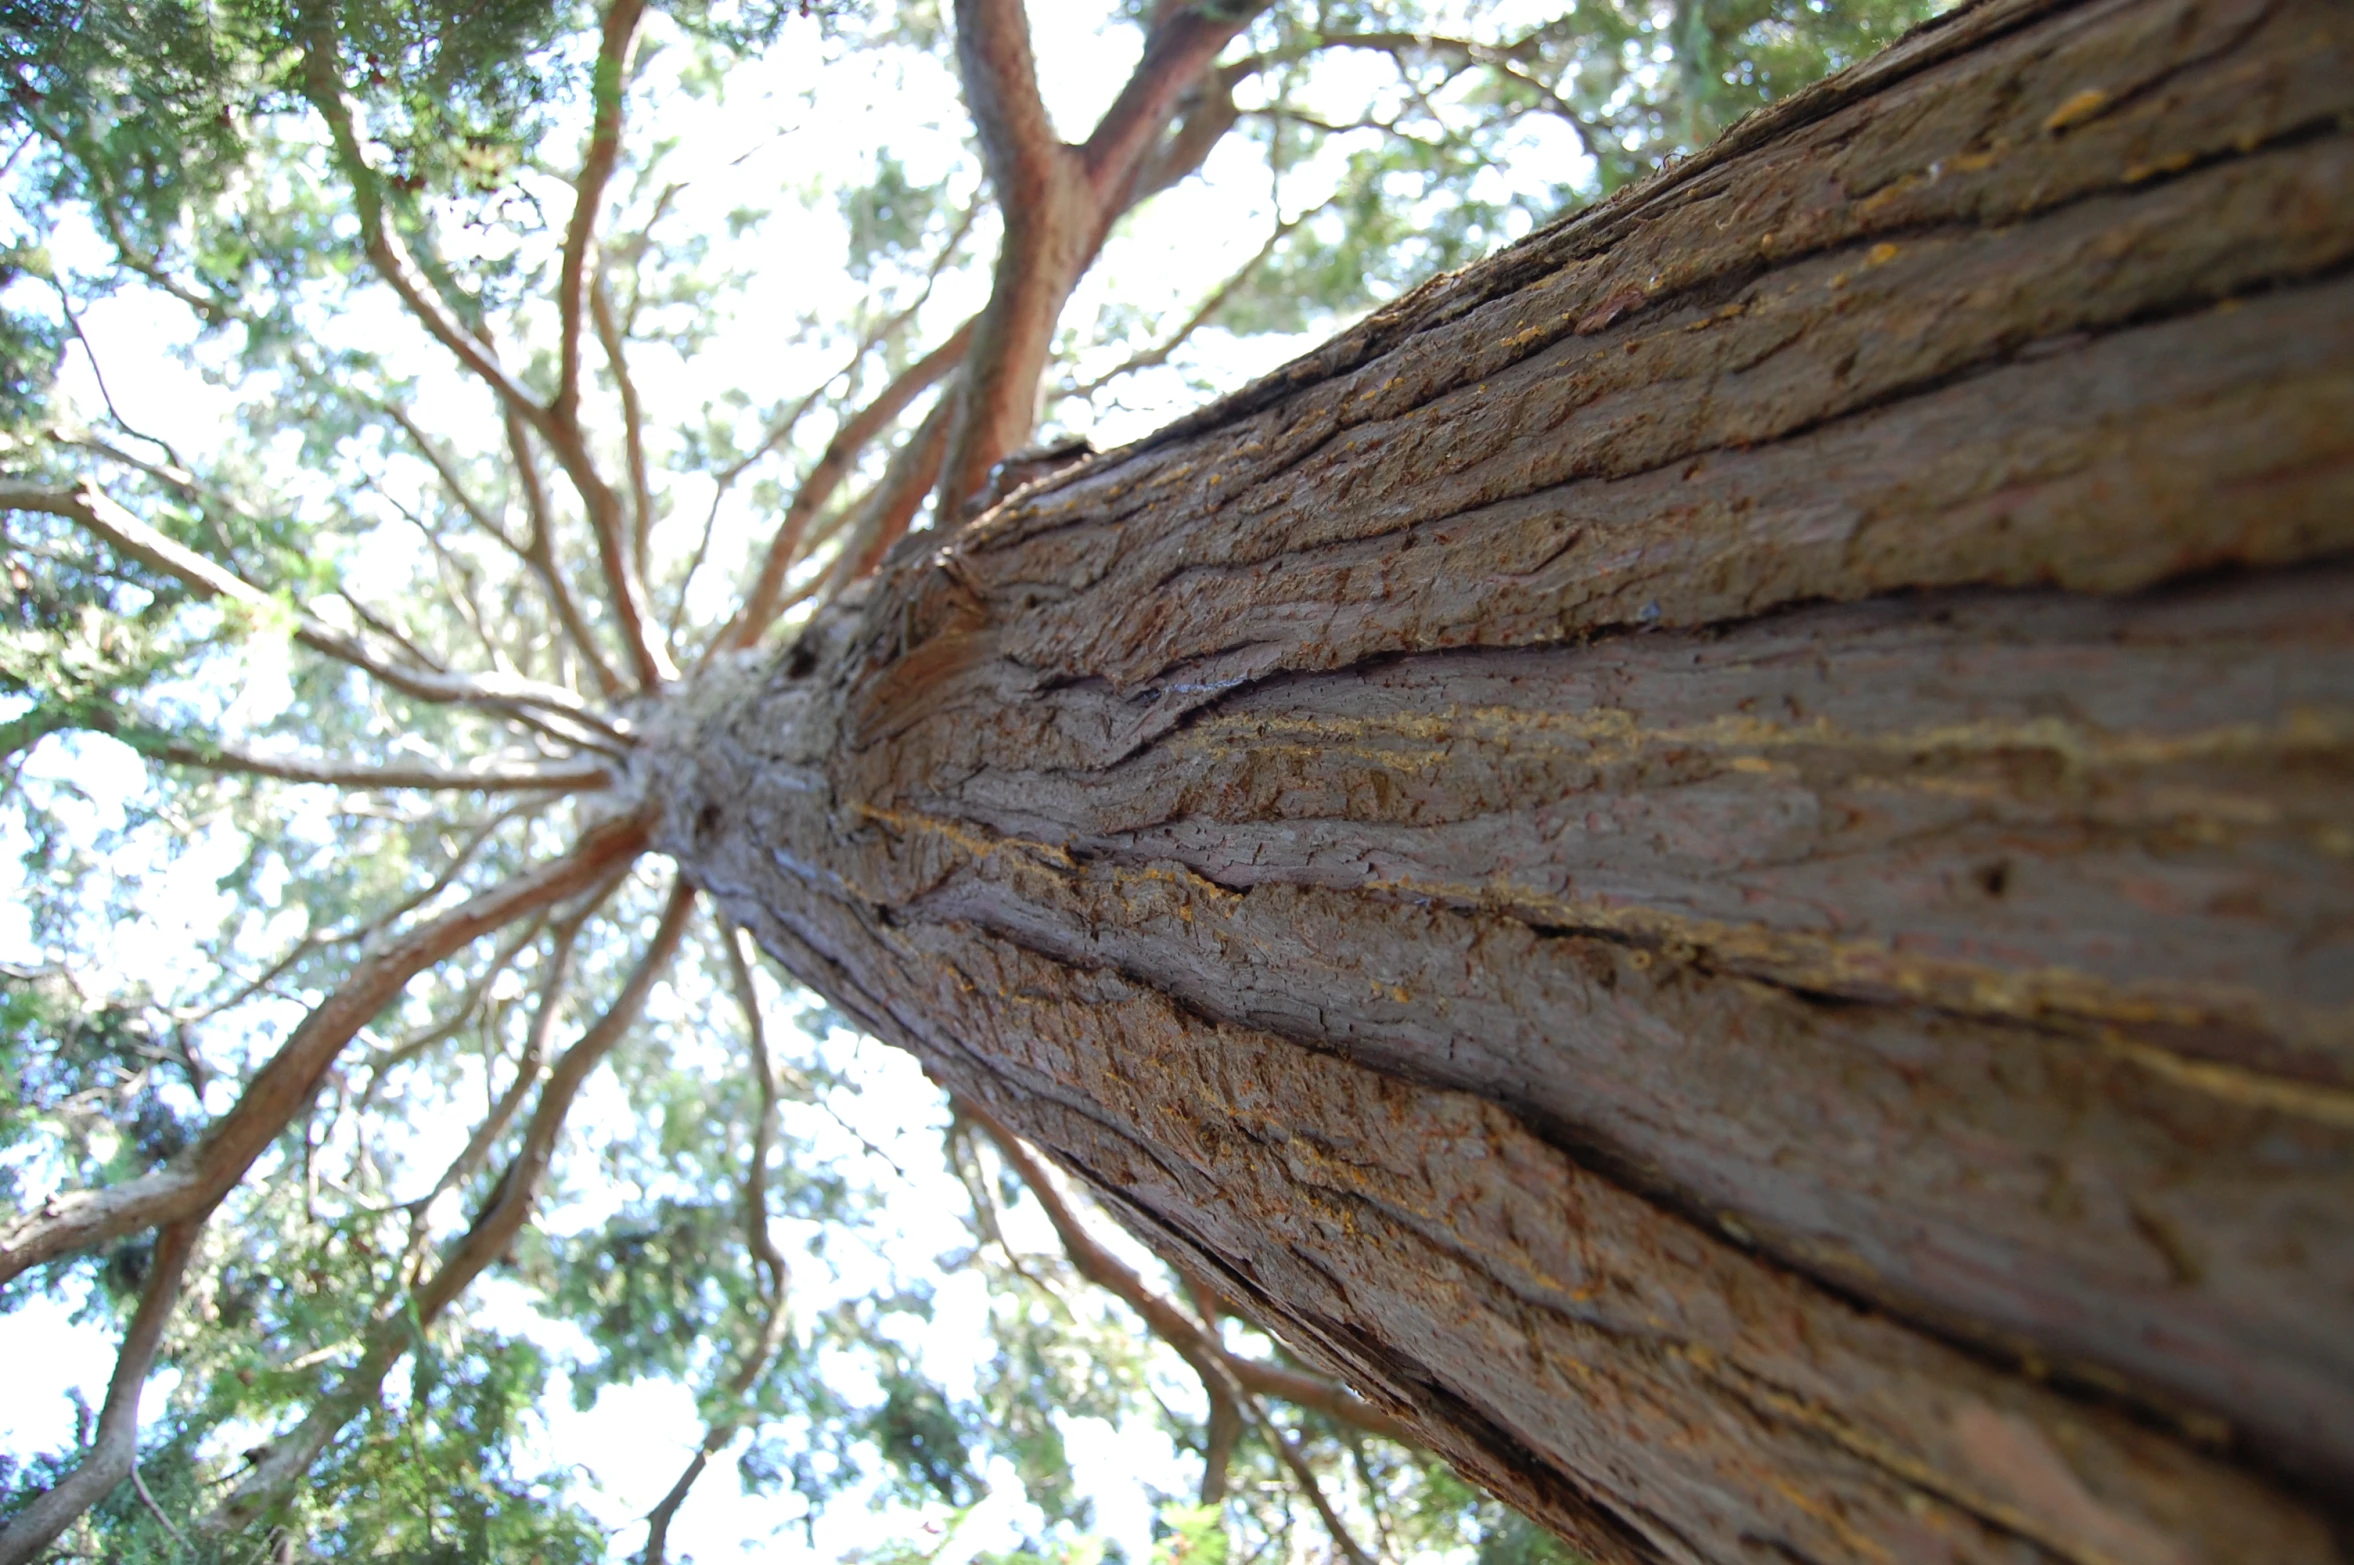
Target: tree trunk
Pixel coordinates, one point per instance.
(1715, 857)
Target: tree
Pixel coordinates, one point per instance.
(1706, 858)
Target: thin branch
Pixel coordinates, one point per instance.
(764, 602)
(1176, 60)
(1159, 353)
(1167, 1319)
(488, 776)
(1506, 60)
(90, 506)
(758, 1240)
(391, 1056)
(322, 84)
(633, 423)
(609, 87)
(502, 1216)
(451, 483)
(113, 1456)
(73, 322)
(884, 515)
(624, 585)
(197, 1178)
(545, 1008)
(540, 550)
(1289, 1450)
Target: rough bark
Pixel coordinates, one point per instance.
(1713, 857)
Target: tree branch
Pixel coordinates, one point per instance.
(1168, 1320)
(541, 551)
(537, 550)
(763, 603)
(89, 506)
(1176, 60)
(633, 425)
(558, 425)
(758, 1240)
(1023, 155)
(488, 776)
(1058, 205)
(1505, 60)
(322, 84)
(192, 1182)
(527, 1064)
(391, 1056)
(608, 87)
(884, 515)
(493, 1230)
(1159, 353)
(115, 1453)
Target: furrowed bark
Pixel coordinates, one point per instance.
(191, 1183)
(1715, 857)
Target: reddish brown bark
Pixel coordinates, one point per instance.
(1713, 857)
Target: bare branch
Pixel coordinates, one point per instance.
(114, 1454)
(1168, 1320)
(1223, 1434)
(1176, 60)
(385, 1059)
(1506, 60)
(1058, 205)
(1025, 158)
(322, 84)
(757, 1240)
(540, 549)
(451, 483)
(609, 88)
(544, 1010)
(558, 425)
(1159, 353)
(764, 602)
(884, 515)
(494, 1229)
(633, 424)
(90, 506)
(1289, 1450)
(485, 776)
(193, 1181)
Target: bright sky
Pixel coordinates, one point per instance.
(634, 1440)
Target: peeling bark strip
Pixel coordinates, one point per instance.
(1717, 857)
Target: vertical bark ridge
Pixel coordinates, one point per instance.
(1716, 856)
